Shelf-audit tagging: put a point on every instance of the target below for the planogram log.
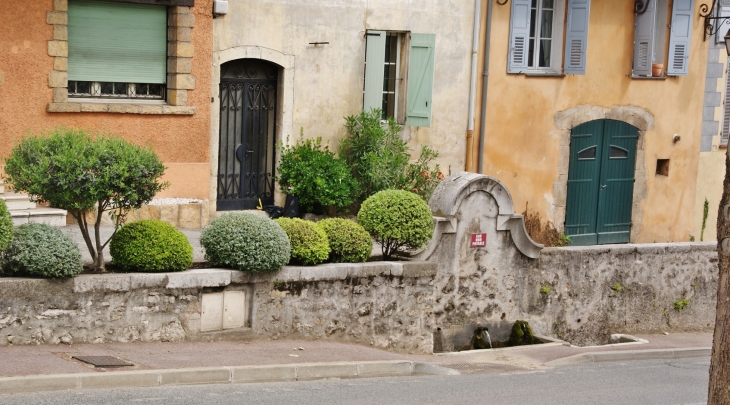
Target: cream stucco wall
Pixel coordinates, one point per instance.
(324, 83)
(523, 140)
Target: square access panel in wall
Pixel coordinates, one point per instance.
(226, 310)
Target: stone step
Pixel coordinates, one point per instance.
(44, 215)
(17, 201)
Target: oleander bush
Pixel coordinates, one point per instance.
(309, 245)
(397, 220)
(42, 250)
(381, 160)
(349, 242)
(150, 245)
(247, 242)
(6, 226)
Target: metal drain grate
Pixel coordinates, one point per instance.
(103, 361)
(485, 368)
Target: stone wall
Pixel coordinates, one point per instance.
(500, 283)
(375, 304)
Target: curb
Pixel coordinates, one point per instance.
(628, 355)
(219, 375)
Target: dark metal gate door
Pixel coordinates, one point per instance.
(601, 182)
(247, 134)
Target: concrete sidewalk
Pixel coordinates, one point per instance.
(45, 367)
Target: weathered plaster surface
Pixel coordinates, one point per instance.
(523, 146)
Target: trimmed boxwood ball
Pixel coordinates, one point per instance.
(397, 220)
(150, 245)
(42, 250)
(6, 226)
(349, 241)
(309, 245)
(245, 241)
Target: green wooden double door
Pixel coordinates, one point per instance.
(601, 182)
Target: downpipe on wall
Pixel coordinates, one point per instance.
(473, 84)
(485, 86)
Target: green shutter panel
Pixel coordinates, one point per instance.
(679, 37)
(519, 36)
(576, 39)
(374, 70)
(644, 40)
(117, 42)
(420, 80)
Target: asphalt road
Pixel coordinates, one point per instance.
(637, 382)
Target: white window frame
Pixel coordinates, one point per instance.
(556, 58)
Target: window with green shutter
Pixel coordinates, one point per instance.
(116, 50)
(399, 76)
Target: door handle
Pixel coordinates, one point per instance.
(603, 186)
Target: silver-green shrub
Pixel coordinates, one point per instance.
(42, 250)
(246, 242)
(6, 226)
(309, 245)
(397, 220)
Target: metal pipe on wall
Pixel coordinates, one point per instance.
(485, 86)
(473, 84)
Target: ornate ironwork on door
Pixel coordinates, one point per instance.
(247, 134)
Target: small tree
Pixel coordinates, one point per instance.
(71, 170)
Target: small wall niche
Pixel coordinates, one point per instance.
(662, 167)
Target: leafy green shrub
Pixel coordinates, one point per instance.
(313, 173)
(380, 160)
(150, 245)
(396, 219)
(6, 226)
(85, 175)
(42, 250)
(309, 243)
(245, 241)
(349, 241)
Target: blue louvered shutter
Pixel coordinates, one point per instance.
(679, 37)
(644, 40)
(576, 39)
(374, 70)
(420, 80)
(519, 36)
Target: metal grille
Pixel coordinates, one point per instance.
(247, 136)
(485, 368)
(103, 361)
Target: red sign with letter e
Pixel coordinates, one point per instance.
(478, 240)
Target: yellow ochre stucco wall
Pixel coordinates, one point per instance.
(522, 144)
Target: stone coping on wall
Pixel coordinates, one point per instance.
(200, 278)
(642, 248)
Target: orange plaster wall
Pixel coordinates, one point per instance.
(182, 142)
(522, 146)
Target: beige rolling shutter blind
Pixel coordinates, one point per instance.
(117, 42)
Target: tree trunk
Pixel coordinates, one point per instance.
(719, 389)
(99, 261)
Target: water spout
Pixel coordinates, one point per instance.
(489, 338)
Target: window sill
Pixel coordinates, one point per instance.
(116, 108)
(649, 77)
(544, 74)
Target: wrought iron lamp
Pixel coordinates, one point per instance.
(708, 13)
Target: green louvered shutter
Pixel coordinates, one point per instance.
(374, 69)
(116, 42)
(420, 80)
